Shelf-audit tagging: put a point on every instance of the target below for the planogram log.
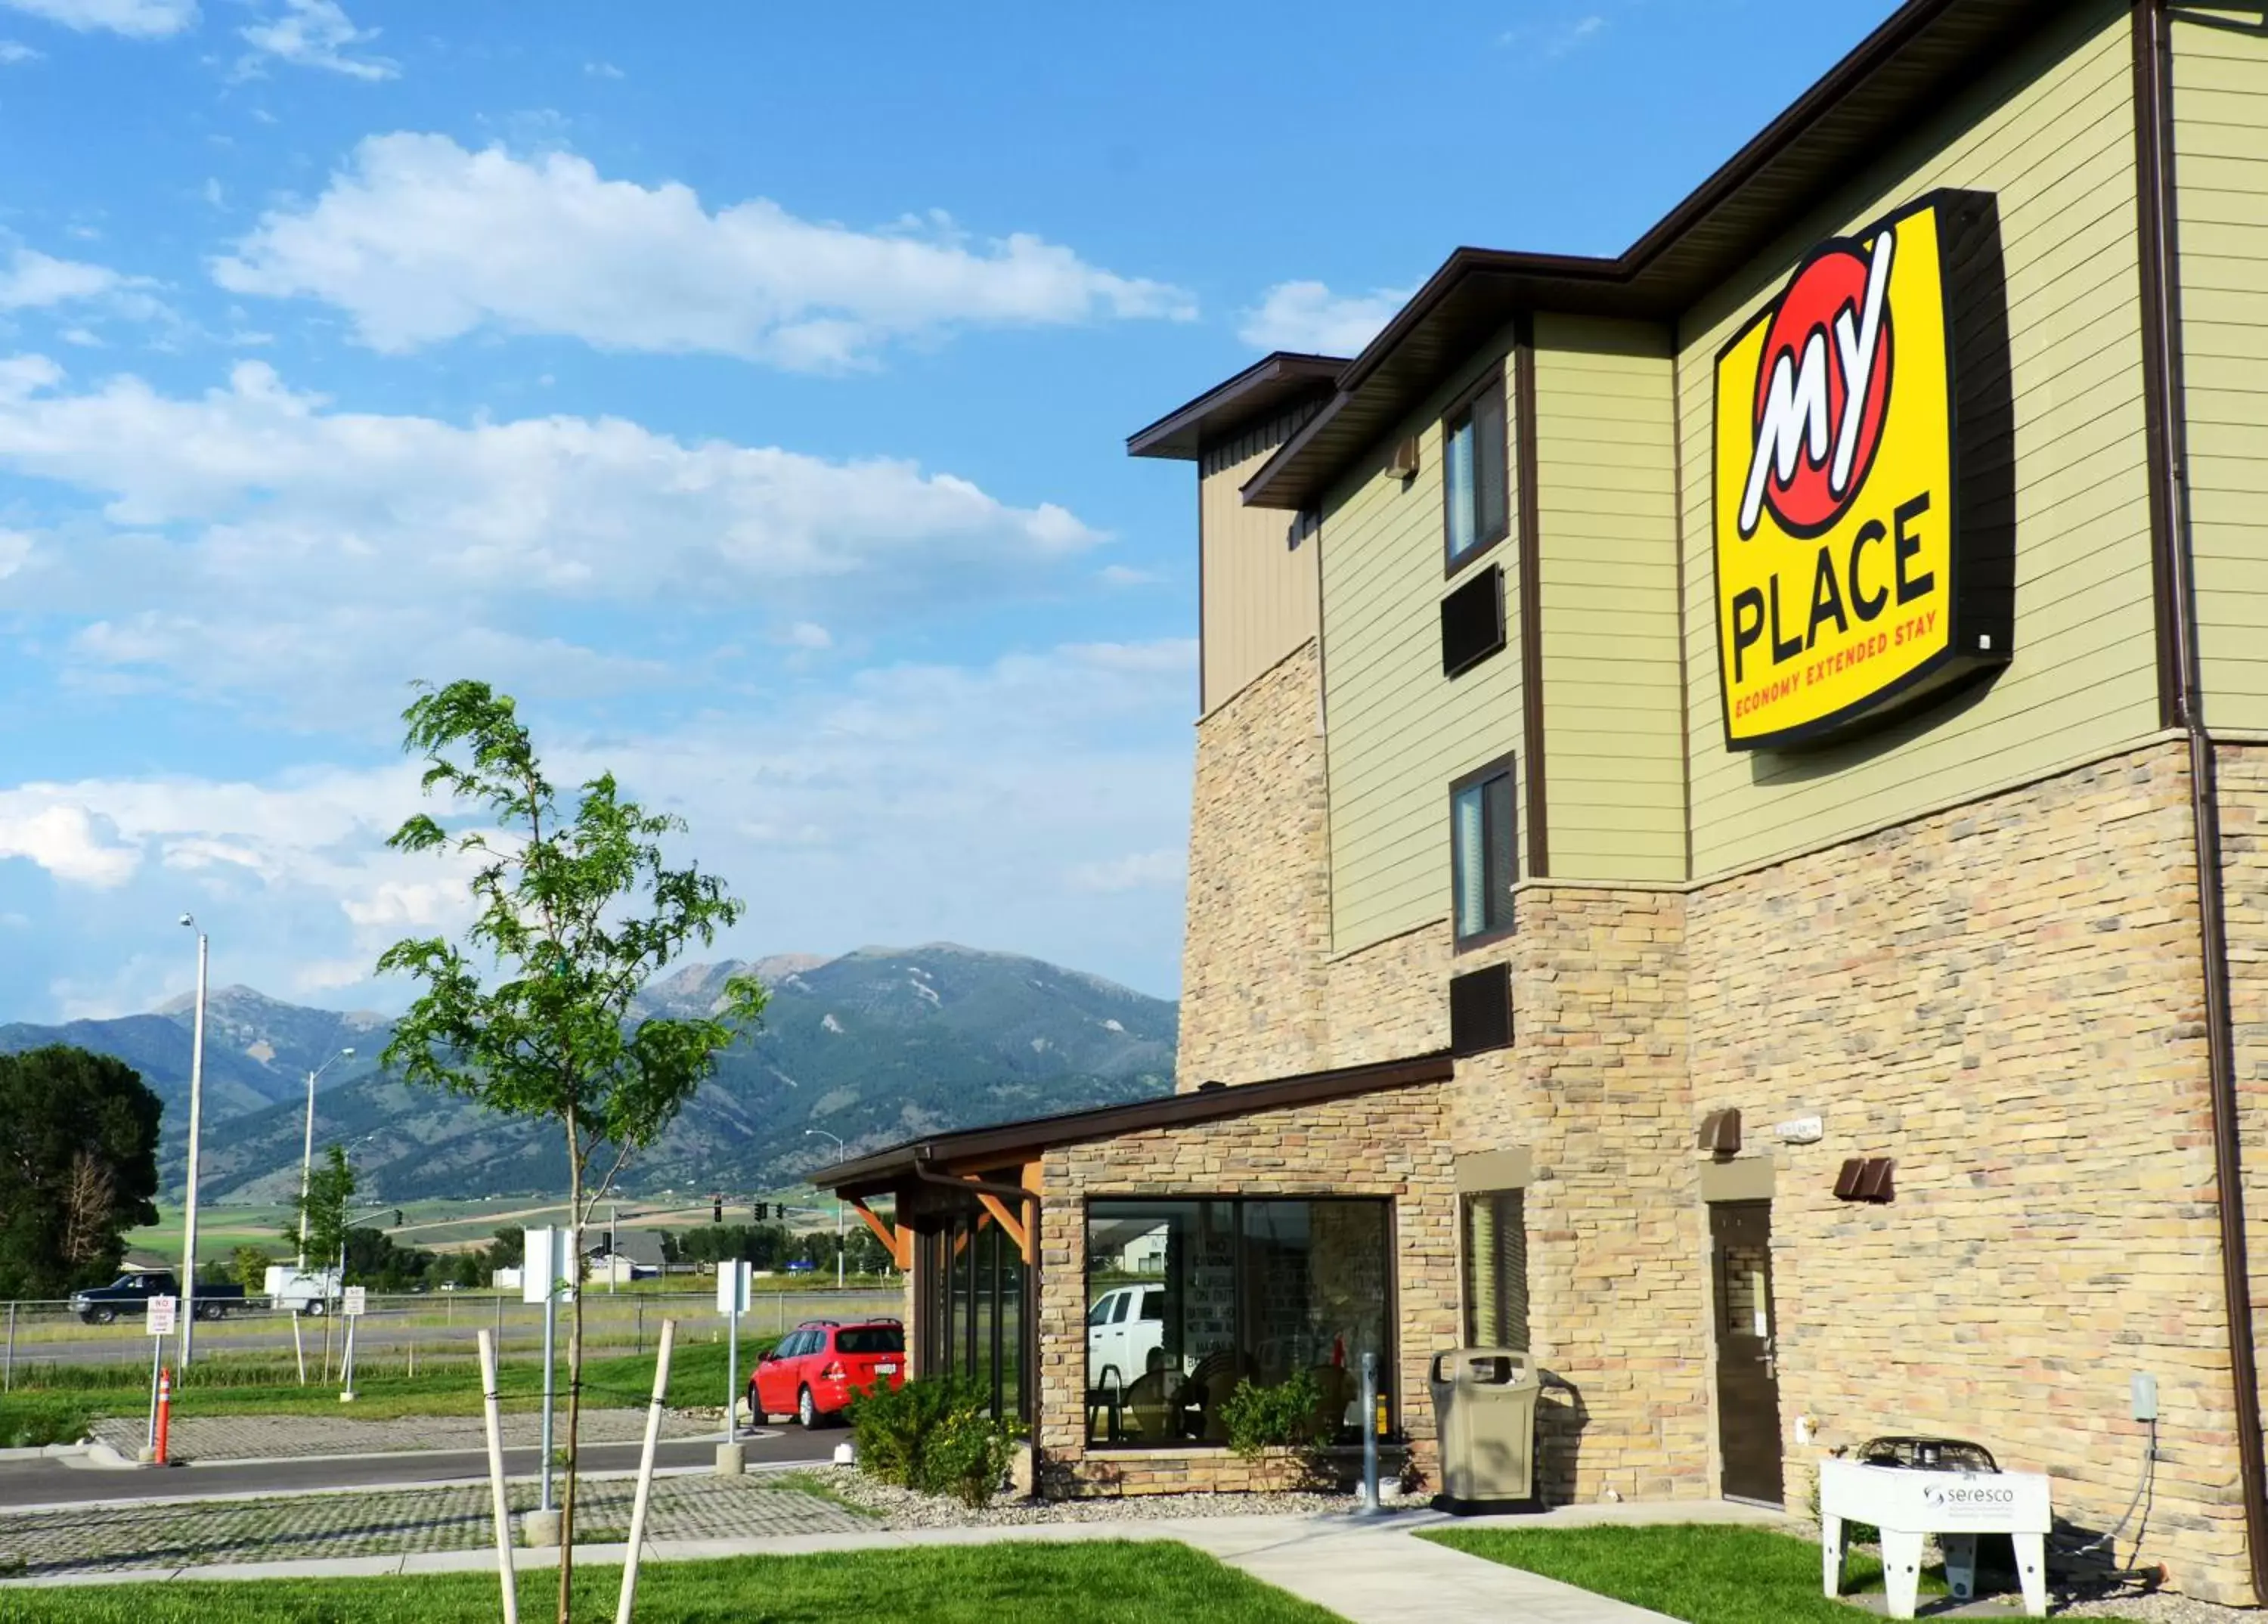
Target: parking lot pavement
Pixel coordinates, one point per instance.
(115, 1537)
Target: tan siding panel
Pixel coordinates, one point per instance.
(2221, 184)
(1260, 573)
(2051, 133)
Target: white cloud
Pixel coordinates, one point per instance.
(420, 240)
(315, 34)
(31, 280)
(142, 20)
(1551, 41)
(65, 837)
(1308, 316)
(13, 51)
(915, 803)
(1134, 872)
(256, 541)
(1120, 575)
(602, 71)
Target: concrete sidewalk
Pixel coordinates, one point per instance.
(1366, 1571)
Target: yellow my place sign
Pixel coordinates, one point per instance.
(1836, 521)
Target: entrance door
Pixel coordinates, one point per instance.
(1748, 1387)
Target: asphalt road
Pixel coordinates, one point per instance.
(56, 1482)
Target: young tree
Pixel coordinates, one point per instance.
(78, 1166)
(509, 1250)
(249, 1264)
(321, 1232)
(575, 910)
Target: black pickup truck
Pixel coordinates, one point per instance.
(100, 1305)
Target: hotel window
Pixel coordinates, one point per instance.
(1483, 869)
(1476, 506)
(1496, 1270)
(1187, 1299)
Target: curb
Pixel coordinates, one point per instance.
(44, 1452)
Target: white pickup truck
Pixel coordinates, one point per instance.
(301, 1291)
(1125, 1324)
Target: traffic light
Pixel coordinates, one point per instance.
(716, 1209)
(779, 1211)
(397, 1217)
(756, 1212)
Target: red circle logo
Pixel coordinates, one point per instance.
(1821, 317)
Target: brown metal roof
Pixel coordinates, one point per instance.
(1927, 51)
(1261, 390)
(1013, 1141)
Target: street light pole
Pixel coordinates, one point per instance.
(307, 1152)
(837, 1137)
(197, 1113)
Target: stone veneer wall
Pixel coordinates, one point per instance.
(1390, 999)
(1594, 1086)
(1393, 1143)
(1259, 890)
(2007, 998)
(2243, 772)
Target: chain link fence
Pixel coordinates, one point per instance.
(46, 1345)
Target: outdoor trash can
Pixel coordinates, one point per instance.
(1485, 1405)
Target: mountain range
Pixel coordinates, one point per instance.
(872, 1047)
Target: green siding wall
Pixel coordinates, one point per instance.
(2051, 132)
(2221, 177)
(1396, 732)
(1607, 512)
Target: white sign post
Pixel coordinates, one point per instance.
(549, 1264)
(158, 1314)
(733, 1278)
(355, 1303)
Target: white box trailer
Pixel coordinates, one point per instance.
(302, 1291)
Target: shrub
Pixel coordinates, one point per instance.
(892, 1426)
(937, 1436)
(1275, 1417)
(968, 1456)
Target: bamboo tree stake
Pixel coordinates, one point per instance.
(645, 1475)
(495, 1479)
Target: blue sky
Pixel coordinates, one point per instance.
(743, 386)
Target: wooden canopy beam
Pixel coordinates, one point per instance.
(1010, 1226)
(898, 1243)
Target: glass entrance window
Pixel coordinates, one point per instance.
(1188, 1299)
(974, 1290)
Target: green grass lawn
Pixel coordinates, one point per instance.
(60, 1411)
(1701, 1573)
(1158, 1581)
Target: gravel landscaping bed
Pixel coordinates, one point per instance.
(2158, 1607)
(903, 1508)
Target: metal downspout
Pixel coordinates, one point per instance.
(2162, 350)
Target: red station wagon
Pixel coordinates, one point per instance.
(817, 1368)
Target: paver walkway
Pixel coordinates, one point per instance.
(441, 1519)
(293, 1438)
